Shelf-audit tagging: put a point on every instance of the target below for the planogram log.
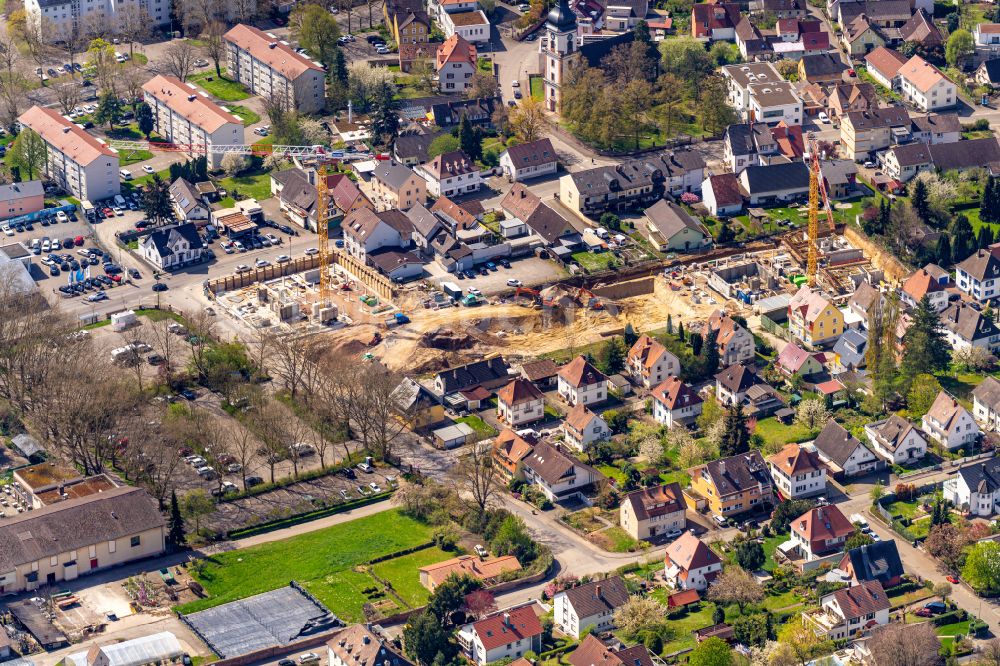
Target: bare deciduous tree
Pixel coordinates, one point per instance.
(736, 586)
(178, 59)
(133, 337)
(375, 410)
(132, 23)
(242, 446)
(905, 645)
(67, 96)
(215, 45)
(477, 475)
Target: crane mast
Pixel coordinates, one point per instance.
(323, 231)
(817, 190)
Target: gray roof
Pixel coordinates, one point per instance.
(392, 174)
(185, 196)
(838, 172)
(29, 188)
(912, 154)
(836, 443)
(488, 370)
(76, 524)
(981, 265)
(164, 238)
(26, 444)
(982, 477)
(424, 222)
(737, 378)
(414, 145)
(850, 348)
(296, 189)
(739, 473)
(746, 139)
(892, 431)
(822, 64)
(876, 561)
(968, 323)
(988, 393)
(936, 122)
(670, 219)
(890, 116)
(411, 395)
(777, 177)
(965, 154)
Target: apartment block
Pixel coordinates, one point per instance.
(270, 68)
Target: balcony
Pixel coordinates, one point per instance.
(821, 621)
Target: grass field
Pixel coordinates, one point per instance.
(611, 472)
(770, 545)
(481, 427)
(536, 84)
(248, 116)
(255, 184)
(320, 560)
(403, 573)
(777, 433)
(219, 87)
(595, 261)
(617, 540)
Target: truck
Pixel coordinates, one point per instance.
(401, 318)
(452, 290)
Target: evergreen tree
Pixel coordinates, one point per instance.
(985, 238)
(711, 350)
(696, 343)
(918, 197)
(680, 331)
(175, 535)
(612, 357)
(670, 324)
(630, 335)
(469, 139)
(927, 350)
(144, 119)
(987, 209)
(718, 614)
(735, 438)
(884, 215)
(943, 251)
(385, 120)
(961, 238)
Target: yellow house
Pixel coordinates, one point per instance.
(407, 21)
(734, 485)
(814, 320)
(419, 407)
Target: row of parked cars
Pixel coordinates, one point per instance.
(9, 229)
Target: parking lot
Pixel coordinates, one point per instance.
(531, 271)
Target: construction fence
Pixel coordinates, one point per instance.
(374, 281)
(263, 274)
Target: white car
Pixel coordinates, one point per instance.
(311, 251)
(673, 533)
(261, 263)
(118, 211)
(126, 174)
(869, 165)
(148, 169)
(514, 282)
(516, 84)
(271, 237)
(375, 487)
(823, 118)
(242, 268)
(62, 217)
(308, 657)
(7, 230)
(283, 258)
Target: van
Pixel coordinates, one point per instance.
(126, 175)
(120, 201)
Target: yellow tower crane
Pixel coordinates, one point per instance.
(817, 189)
(323, 230)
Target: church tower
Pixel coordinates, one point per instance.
(561, 48)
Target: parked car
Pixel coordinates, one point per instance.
(252, 481)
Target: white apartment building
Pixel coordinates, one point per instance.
(580, 383)
(925, 87)
(270, 68)
(80, 163)
(183, 114)
(739, 78)
(978, 275)
(55, 19)
(772, 103)
(472, 26)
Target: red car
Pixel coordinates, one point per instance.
(924, 612)
(78, 241)
(108, 213)
(851, 72)
(116, 278)
(952, 579)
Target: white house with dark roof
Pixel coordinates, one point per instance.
(964, 326)
(976, 488)
(732, 383)
(850, 612)
(188, 204)
(170, 248)
(450, 174)
(896, 440)
(906, 161)
(986, 403)
(844, 453)
(591, 604)
(950, 424)
(653, 511)
(775, 182)
(675, 403)
(978, 275)
(366, 232)
(670, 228)
(525, 161)
(558, 475)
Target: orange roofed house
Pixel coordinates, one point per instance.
(736, 344)
(593, 652)
(930, 281)
(519, 402)
(455, 63)
(648, 362)
(653, 511)
(484, 570)
(797, 472)
(504, 635)
(582, 383)
(690, 564)
(509, 451)
(821, 531)
(582, 427)
(733, 485)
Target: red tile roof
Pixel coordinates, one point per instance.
(271, 51)
(823, 523)
(507, 627)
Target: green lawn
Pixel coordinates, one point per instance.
(619, 541)
(219, 87)
(537, 85)
(770, 545)
(904, 509)
(681, 636)
(403, 573)
(775, 432)
(481, 427)
(127, 157)
(342, 592)
(321, 560)
(254, 184)
(680, 476)
(595, 261)
(611, 472)
(248, 116)
(779, 601)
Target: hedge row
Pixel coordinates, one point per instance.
(903, 588)
(307, 517)
(951, 617)
(556, 651)
(401, 553)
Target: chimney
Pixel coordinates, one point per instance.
(597, 592)
(722, 466)
(506, 619)
(366, 640)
